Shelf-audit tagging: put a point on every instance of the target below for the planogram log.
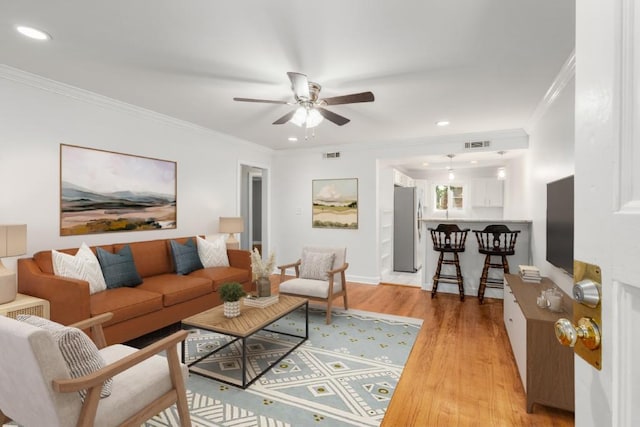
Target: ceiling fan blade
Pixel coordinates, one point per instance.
(349, 99)
(333, 117)
(284, 119)
(266, 101)
(299, 85)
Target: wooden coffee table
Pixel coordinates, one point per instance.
(250, 321)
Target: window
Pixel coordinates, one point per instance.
(449, 197)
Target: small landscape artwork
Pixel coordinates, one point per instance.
(103, 191)
(335, 203)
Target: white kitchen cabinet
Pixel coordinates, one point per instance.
(487, 192)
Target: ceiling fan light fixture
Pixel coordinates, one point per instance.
(307, 117)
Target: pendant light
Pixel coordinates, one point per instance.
(502, 172)
(452, 176)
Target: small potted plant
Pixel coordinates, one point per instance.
(230, 293)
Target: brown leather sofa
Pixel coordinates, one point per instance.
(162, 299)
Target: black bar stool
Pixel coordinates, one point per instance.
(495, 240)
(448, 238)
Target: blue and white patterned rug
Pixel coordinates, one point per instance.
(344, 375)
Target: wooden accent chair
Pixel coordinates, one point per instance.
(320, 276)
(37, 388)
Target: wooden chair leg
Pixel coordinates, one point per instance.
(483, 278)
(436, 276)
(344, 289)
(329, 311)
(459, 277)
(505, 264)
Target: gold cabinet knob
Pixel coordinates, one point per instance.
(587, 331)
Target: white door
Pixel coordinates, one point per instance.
(607, 202)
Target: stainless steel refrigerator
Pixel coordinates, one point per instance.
(407, 213)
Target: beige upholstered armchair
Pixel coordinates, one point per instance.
(38, 388)
(319, 276)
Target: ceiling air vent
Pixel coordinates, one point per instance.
(477, 144)
(331, 155)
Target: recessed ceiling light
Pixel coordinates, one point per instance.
(293, 139)
(473, 162)
(33, 33)
(425, 164)
(442, 123)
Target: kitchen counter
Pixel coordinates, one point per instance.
(476, 220)
(471, 261)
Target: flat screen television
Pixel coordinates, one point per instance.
(560, 223)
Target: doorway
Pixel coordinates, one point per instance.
(253, 207)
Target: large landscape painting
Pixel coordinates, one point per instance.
(102, 191)
(335, 203)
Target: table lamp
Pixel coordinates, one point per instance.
(13, 242)
(231, 225)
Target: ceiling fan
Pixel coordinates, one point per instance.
(310, 109)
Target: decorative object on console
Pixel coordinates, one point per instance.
(13, 242)
(335, 203)
(261, 272)
(230, 293)
(530, 273)
(231, 225)
(103, 191)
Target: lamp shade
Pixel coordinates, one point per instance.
(230, 224)
(13, 240)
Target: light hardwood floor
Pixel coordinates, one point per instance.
(461, 371)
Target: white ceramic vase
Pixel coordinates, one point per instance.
(232, 309)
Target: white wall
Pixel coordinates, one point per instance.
(38, 115)
(550, 157)
(293, 173)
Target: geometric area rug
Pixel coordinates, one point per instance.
(343, 375)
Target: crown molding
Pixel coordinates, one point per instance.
(59, 88)
(565, 76)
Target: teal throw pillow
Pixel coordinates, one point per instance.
(118, 269)
(185, 257)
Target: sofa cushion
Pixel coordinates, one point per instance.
(79, 352)
(220, 275)
(119, 268)
(152, 257)
(185, 257)
(213, 253)
(83, 265)
(125, 303)
(176, 289)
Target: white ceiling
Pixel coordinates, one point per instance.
(482, 64)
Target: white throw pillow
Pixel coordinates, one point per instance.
(314, 265)
(84, 266)
(213, 253)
